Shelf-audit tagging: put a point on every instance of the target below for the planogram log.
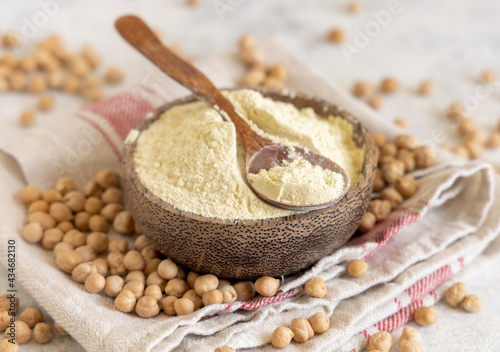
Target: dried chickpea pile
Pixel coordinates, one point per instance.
(392, 184)
(30, 324)
(300, 330)
(74, 224)
(258, 74)
(52, 66)
(456, 295)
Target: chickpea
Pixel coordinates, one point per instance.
(133, 260)
(113, 285)
(474, 149)
(176, 287)
(147, 307)
(378, 139)
(108, 178)
(455, 294)
(151, 266)
(409, 346)
(82, 220)
(17, 81)
(315, 287)
(51, 237)
(494, 140)
(109, 211)
(380, 208)
(68, 260)
(116, 266)
(136, 275)
(411, 334)
(61, 247)
(101, 265)
(389, 85)
(245, 290)
(319, 323)
(5, 303)
(393, 170)
(75, 200)
(137, 287)
(183, 306)
(23, 332)
(272, 82)
(75, 238)
(193, 296)
(381, 341)
(32, 232)
(392, 196)
(424, 156)
(281, 337)
(6, 346)
(406, 185)
(279, 71)
(113, 75)
(123, 222)
(125, 301)
(368, 221)
(52, 196)
(407, 157)
(30, 194)
(267, 286)
(362, 89)
(98, 241)
(137, 230)
(56, 79)
(425, 315)
(118, 246)
(205, 283)
(27, 118)
(401, 122)
(93, 205)
(251, 57)
(43, 333)
(388, 149)
(153, 291)
(60, 330)
(168, 269)
(37, 84)
(191, 278)
(357, 268)
(336, 35)
(247, 42)
(302, 330)
(488, 76)
(38, 205)
(31, 316)
(65, 226)
(45, 220)
(375, 101)
(407, 141)
(81, 272)
(225, 348)
(379, 182)
(149, 253)
(168, 305)
(472, 304)
(211, 297)
(86, 252)
(98, 223)
(92, 189)
(155, 279)
(254, 77)
(4, 319)
(60, 212)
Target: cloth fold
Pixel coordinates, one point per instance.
(431, 237)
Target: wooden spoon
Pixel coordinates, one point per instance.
(261, 153)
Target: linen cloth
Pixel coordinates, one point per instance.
(451, 220)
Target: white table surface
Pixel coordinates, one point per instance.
(448, 41)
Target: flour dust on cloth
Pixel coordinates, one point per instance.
(444, 227)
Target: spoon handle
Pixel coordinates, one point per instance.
(141, 37)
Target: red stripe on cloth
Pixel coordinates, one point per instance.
(428, 283)
(461, 262)
(115, 149)
(261, 301)
(122, 111)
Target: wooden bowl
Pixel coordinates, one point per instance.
(248, 249)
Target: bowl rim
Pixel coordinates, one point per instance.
(328, 109)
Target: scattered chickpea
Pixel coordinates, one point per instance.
(136, 287)
(45, 102)
(17, 81)
(38, 205)
(426, 88)
(82, 271)
(93, 205)
(65, 185)
(147, 307)
(389, 85)
(488, 76)
(380, 208)
(30, 194)
(254, 77)
(425, 315)
(167, 269)
(92, 189)
(113, 286)
(212, 297)
(474, 148)
(392, 196)
(205, 283)
(466, 126)
(357, 268)
(455, 111)
(315, 287)
(125, 301)
(116, 266)
(51, 237)
(86, 252)
(375, 101)
(82, 220)
(4, 319)
(183, 306)
(388, 149)
(281, 337)
(379, 182)
(27, 118)
(155, 279)
(225, 348)
(52, 196)
(381, 341)
(407, 141)
(5, 303)
(424, 156)
(455, 294)
(461, 151)
(245, 290)
(31, 316)
(401, 122)
(229, 294)
(362, 89)
(247, 42)
(302, 330)
(411, 334)
(68, 260)
(75, 238)
(151, 265)
(113, 75)
(33, 232)
(494, 140)
(4, 84)
(251, 57)
(37, 84)
(406, 185)
(98, 241)
(336, 35)
(111, 210)
(168, 305)
(10, 39)
(60, 212)
(118, 246)
(267, 286)
(108, 178)
(355, 6)
(367, 223)
(409, 346)
(378, 139)
(6, 346)
(472, 303)
(193, 296)
(43, 333)
(153, 291)
(61, 247)
(123, 222)
(44, 219)
(56, 79)
(60, 330)
(65, 226)
(176, 287)
(273, 82)
(149, 253)
(23, 332)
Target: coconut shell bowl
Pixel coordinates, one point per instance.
(249, 249)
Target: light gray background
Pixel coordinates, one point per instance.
(448, 41)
